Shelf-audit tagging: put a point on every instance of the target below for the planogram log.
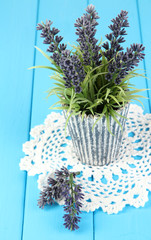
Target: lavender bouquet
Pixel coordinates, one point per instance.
(92, 78)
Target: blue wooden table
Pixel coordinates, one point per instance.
(23, 105)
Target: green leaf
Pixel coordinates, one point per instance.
(108, 123)
(68, 118)
(91, 79)
(136, 96)
(65, 90)
(47, 67)
(113, 113)
(119, 115)
(95, 104)
(100, 116)
(45, 55)
(59, 108)
(136, 91)
(50, 59)
(57, 78)
(60, 85)
(77, 48)
(107, 93)
(121, 89)
(140, 102)
(102, 89)
(91, 89)
(100, 43)
(83, 114)
(56, 103)
(114, 98)
(104, 60)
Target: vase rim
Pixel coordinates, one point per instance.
(96, 116)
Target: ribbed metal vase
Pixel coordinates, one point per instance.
(97, 147)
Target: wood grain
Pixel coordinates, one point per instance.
(16, 49)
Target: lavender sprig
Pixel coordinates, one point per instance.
(116, 36)
(50, 37)
(73, 70)
(85, 29)
(72, 204)
(70, 64)
(120, 62)
(64, 187)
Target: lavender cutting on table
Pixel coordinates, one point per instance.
(63, 187)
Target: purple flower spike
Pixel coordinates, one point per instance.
(50, 37)
(85, 29)
(70, 64)
(63, 187)
(73, 70)
(120, 62)
(115, 38)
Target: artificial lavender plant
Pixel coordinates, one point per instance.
(92, 78)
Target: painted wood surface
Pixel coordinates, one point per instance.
(18, 19)
(23, 105)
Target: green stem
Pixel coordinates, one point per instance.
(72, 194)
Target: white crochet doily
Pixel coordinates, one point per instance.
(125, 181)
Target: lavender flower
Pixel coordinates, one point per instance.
(125, 62)
(85, 29)
(72, 69)
(50, 37)
(120, 63)
(72, 204)
(116, 37)
(70, 64)
(63, 187)
(45, 197)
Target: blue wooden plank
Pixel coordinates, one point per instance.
(144, 17)
(131, 223)
(17, 38)
(48, 223)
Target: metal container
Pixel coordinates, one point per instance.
(97, 147)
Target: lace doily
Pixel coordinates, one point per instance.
(125, 181)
